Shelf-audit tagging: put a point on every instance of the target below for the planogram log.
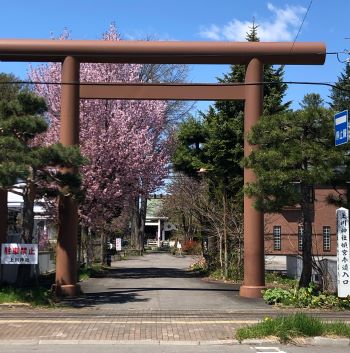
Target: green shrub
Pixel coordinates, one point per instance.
(305, 298)
(277, 295)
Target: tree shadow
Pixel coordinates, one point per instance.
(106, 297)
(147, 272)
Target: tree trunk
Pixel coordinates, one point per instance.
(143, 211)
(220, 254)
(80, 230)
(3, 216)
(89, 247)
(135, 225)
(138, 223)
(3, 222)
(224, 200)
(103, 248)
(24, 271)
(28, 213)
(307, 209)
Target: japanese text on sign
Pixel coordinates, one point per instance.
(118, 244)
(343, 255)
(18, 254)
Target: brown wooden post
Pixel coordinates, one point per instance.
(66, 260)
(254, 262)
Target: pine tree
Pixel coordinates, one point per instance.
(7, 92)
(340, 94)
(36, 168)
(188, 156)
(296, 148)
(225, 122)
(215, 142)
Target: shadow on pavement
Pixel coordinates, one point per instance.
(147, 272)
(106, 297)
(97, 294)
(126, 295)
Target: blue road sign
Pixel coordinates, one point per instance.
(341, 128)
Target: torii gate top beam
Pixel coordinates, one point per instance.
(304, 53)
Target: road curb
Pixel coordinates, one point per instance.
(311, 341)
(325, 341)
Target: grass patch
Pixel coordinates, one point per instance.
(38, 296)
(287, 328)
(95, 270)
(273, 279)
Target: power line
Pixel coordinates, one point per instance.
(299, 30)
(314, 83)
(301, 25)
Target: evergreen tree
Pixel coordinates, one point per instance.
(188, 156)
(7, 92)
(340, 94)
(296, 149)
(340, 100)
(215, 142)
(35, 168)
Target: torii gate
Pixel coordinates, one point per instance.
(73, 52)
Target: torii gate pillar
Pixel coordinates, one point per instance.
(254, 258)
(66, 253)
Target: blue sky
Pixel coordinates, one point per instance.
(191, 20)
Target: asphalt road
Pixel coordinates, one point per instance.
(161, 282)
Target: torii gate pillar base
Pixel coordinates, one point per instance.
(66, 290)
(251, 291)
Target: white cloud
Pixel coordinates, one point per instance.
(213, 32)
(283, 26)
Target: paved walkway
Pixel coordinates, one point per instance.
(149, 299)
(160, 282)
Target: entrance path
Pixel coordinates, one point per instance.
(146, 300)
(160, 282)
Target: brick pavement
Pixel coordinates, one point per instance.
(67, 325)
(135, 303)
(94, 325)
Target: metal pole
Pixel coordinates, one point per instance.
(66, 261)
(254, 264)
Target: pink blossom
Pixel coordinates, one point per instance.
(122, 139)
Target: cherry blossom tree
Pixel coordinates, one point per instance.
(122, 139)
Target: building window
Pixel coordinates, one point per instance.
(326, 238)
(300, 237)
(277, 237)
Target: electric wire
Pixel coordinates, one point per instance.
(301, 25)
(114, 84)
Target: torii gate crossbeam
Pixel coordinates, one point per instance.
(71, 53)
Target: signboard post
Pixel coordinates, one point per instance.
(343, 256)
(341, 128)
(19, 254)
(118, 244)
